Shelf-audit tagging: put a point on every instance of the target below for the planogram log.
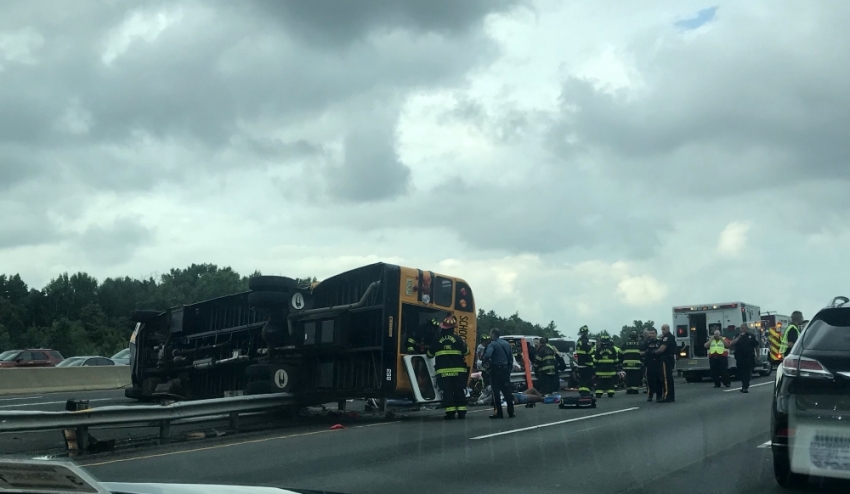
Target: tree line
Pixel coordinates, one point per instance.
(78, 315)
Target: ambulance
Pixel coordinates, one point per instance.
(694, 325)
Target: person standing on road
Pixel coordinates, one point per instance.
(499, 357)
(667, 356)
(606, 366)
(652, 361)
(746, 355)
(632, 364)
(718, 359)
(585, 354)
(791, 333)
(448, 351)
(544, 367)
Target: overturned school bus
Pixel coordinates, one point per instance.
(344, 337)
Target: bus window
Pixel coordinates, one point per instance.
(443, 292)
(415, 324)
(463, 299)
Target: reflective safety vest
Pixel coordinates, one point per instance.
(783, 346)
(718, 347)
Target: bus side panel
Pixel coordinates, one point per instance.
(392, 319)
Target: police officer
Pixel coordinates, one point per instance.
(499, 359)
(544, 367)
(791, 333)
(667, 356)
(652, 362)
(746, 347)
(605, 365)
(448, 350)
(631, 364)
(585, 353)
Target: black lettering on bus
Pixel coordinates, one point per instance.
(463, 328)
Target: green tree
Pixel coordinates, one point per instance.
(514, 325)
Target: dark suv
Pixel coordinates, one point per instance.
(35, 357)
(810, 421)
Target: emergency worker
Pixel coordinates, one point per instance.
(544, 366)
(718, 359)
(652, 361)
(448, 351)
(791, 333)
(667, 356)
(605, 365)
(419, 341)
(585, 354)
(631, 362)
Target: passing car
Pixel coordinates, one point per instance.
(122, 357)
(810, 426)
(32, 357)
(85, 361)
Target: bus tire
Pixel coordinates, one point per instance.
(145, 316)
(268, 300)
(271, 283)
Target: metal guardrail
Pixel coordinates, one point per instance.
(20, 421)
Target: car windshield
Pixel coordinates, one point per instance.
(9, 355)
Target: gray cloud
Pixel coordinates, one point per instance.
(115, 243)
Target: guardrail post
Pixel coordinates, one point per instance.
(164, 430)
(234, 421)
(82, 438)
(340, 405)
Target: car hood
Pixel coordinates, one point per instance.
(132, 488)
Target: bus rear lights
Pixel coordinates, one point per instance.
(463, 303)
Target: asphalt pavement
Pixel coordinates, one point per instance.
(708, 441)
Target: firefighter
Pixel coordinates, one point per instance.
(791, 333)
(448, 351)
(585, 354)
(544, 367)
(605, 365)
(418, 342)
(631, 363)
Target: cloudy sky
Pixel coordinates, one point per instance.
(582, 162)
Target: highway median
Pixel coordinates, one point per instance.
(52, 379)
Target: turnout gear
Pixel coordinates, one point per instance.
(784, 349)
(585, 353)
(544, 368)
(418, 341)
(632, 364)
(605, 364)
(448, 351)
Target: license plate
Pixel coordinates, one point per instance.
(830, 451)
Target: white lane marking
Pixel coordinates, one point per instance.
(554, 423)
(588, 429)
(752, 386)
(21, 398)
(764, 445)
(50, 403)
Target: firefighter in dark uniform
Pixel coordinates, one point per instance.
(419, 341)
(448, 351)
(544, 367)
(605, 365)
(667, 355)
(631, 364)
(585, 353)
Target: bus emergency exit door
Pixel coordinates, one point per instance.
(423, 378)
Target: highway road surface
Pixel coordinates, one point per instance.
(709, 441)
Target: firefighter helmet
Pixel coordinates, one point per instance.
(449, 323)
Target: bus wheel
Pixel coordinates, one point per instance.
(271, 283)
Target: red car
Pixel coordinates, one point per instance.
(33, 357)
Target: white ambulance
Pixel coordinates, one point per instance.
(693, 325)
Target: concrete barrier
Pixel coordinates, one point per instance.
(50, 379)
